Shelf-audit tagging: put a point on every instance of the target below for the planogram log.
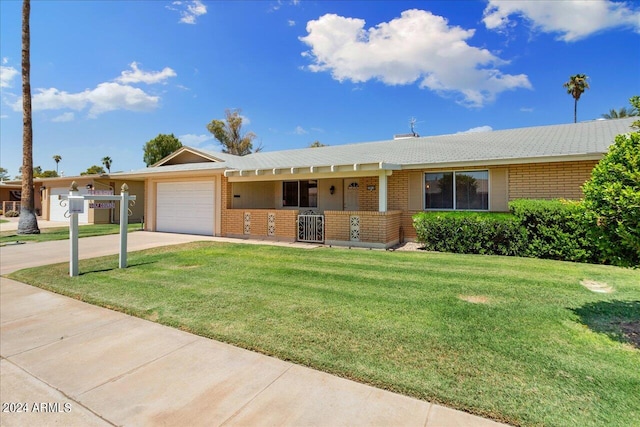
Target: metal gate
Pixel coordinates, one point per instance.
(311, 228)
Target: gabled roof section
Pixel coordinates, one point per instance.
(186, 155)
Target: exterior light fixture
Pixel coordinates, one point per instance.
(332, 189)
(371, 187)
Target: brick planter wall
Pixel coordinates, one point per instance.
(376, 229)
(285, 224)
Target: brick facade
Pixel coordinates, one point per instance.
(375, 228)
(258, 225)
(549, 180)
(536, 180)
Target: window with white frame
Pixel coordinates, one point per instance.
(460, 190)
(302, 194)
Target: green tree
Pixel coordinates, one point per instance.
(93, 170)
(48, 174)
(57, 158)
(316, 144)
(4, 174)
(612, 201)
(159, 148)
(576, 86)
(37, 172)
(28, 222)
(229, 134)
(106, 161)
(635, 103)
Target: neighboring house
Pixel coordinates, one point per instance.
(366, 194)
(10, 196)
(50, 207)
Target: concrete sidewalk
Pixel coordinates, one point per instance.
(79, 364)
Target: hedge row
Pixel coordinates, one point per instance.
(552, 229)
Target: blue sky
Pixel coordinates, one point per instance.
(108, 76)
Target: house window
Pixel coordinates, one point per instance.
(466, 190)
(302, 194)
(290, 193)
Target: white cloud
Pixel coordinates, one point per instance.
(64, 117)
(526, 109)
(299, 130)
(104, 97)
(7, 74)
(418, 46)
(113, 96)
(194, 140)
(5, 60)
(478, 129)
(4, 116)
(136, 75)
(107, 96)
(573, 20)
(189, 10)
(291, 23)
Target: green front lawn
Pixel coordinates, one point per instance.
(61, 233)
(518, 340)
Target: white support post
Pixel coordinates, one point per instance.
(124, 222)
(74, 271)
(73, 237)
(382, 192)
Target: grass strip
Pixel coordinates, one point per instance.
(514, 339)
(62, 233)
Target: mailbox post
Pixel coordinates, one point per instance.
(75, 203)
(124, 222)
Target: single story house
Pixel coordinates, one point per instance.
(366, 194)
(10, 196)
(51, 208)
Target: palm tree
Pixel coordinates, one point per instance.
(624, 111)
(106, 161)
(57, 159)
(576, 86)
(613, 114)
(28, 223)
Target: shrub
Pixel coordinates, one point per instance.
(12, 214)
(469, 233)
(555, 229)
(612, 202)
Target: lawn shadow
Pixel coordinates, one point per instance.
(104, 270)
(619, 320)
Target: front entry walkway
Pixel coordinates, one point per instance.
(79, 364)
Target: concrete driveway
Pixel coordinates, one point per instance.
(67, 363)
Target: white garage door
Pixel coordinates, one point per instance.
(185, 207)
(56, 212)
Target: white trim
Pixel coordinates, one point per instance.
(382, 192)
(315, 169)
(182, 150)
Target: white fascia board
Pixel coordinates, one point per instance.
(307, 170)
(303, 176)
